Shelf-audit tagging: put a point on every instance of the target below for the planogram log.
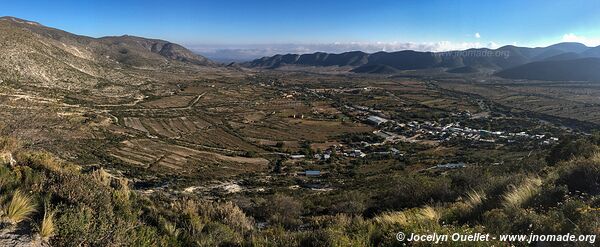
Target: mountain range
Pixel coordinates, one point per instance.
(32, 52)
(507, 61)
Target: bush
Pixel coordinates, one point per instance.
(285, 211)
(569, 148)
(415, 191)
(581, 176)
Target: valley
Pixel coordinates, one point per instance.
(243, 128)
(143, 142)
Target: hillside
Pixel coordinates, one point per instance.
(584, 69)
(592, 52)
(31, 52)
(463, 70)
(137, 51)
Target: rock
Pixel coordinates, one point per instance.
(18, 238)
(7, 158)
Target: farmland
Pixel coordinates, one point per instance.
(309, 138)
(240, 127)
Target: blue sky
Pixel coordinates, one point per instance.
(237, 24)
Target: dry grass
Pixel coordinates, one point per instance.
(123, 191)
(47, 228)
(232, 215)
(419, 216)
(101, 176)
(520, 195)
(9, 145)
(595, 157)
(171, 228)
(474, 199)
(18, 209)
(228, 213)
(430, 214)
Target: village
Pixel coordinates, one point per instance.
(390, 132)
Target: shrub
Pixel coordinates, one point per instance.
(569, 148)
(351, 202)
(284, 210)
(415, 191)
(582, 176)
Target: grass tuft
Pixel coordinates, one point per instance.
(522, 194)
(102, 176)
(47, 229)
(474, 199)
(418, 216)
(19, 208)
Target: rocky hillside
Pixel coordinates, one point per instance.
(136, 51)
(31, 52)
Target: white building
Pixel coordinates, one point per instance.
(376, 120)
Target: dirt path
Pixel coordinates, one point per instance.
(134, 103)
(188, 107)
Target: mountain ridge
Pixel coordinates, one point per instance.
(504, 57)
(32, 52)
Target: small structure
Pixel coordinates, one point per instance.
(312, 173)
(452, 165)
(355, 153)
(324, 156)
(297, 156)
(375, 120)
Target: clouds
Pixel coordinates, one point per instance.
(229, 53)
(477, 35)
(571, 37)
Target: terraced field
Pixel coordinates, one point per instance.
(169, 127)
(170, 102)
(161, 156)
(285, 129)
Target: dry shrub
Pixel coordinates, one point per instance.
(101, 176)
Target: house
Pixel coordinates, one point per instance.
(375, 120)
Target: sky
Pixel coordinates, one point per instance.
(254, 28)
